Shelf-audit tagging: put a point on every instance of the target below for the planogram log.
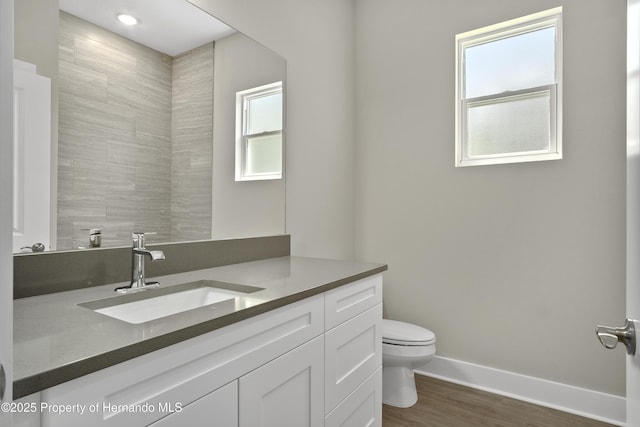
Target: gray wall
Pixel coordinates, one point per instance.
(319, 114)
(510, 265)
(244, 208)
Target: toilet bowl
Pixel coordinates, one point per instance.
(404, 347)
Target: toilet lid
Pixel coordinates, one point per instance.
(401, 333)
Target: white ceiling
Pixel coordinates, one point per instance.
(168, 26)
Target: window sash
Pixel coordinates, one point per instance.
(248, 169)
(547, 91)
(248, 111)
(510, 76)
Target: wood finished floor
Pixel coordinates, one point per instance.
(444, 404)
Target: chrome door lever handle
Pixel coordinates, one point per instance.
(610, 341)
(610, 336)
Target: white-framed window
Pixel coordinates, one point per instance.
(259, 133)
(509, 91)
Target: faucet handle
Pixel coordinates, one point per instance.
(137, 234)
(138, 238)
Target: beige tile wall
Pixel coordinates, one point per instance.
(116, 154)
(191, 144)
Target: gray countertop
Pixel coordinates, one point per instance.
(56, 340)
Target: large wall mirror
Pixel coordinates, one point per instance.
(143, 123)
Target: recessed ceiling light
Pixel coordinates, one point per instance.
(127, 19)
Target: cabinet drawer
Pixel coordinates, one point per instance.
(219, 408)
(343, 303)
(362, 408)
(353, 351)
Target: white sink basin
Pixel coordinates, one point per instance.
(146, 307)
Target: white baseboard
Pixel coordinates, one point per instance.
(587, 403)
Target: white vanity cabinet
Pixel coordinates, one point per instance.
(138, 392)
(314, 362)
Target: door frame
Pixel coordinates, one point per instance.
(633, 203)
(6, 191)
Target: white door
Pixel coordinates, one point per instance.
(633, 204)
(6, 214)
(611, 336)
(32, 157)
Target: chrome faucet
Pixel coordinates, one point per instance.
(138, 253)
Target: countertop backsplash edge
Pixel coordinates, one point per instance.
(51, 272)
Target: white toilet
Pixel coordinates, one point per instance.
(404, 347)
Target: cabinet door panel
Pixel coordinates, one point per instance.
(286, 392)
(353, 351)
(362, 408)
(217, 409)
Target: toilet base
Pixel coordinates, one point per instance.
(398, 386)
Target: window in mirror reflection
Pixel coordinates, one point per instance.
(259, 133)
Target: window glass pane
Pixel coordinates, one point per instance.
(265, 113)
(522, 61)
(264, 154)
(511, 125)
